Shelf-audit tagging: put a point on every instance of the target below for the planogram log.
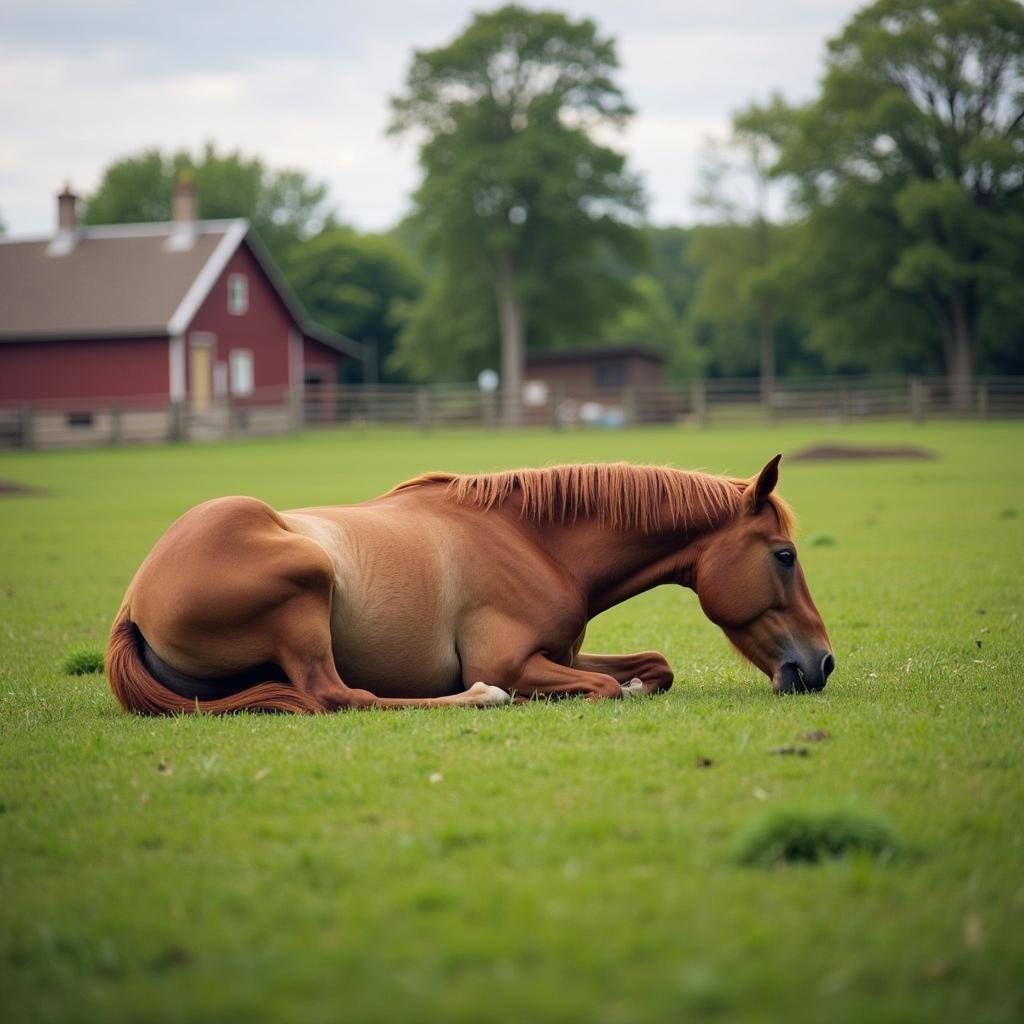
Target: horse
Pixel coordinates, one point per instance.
(458, 590)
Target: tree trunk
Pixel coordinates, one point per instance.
(962, 331)
(766, 335)
(513, 340)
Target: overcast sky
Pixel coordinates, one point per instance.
(307, 85)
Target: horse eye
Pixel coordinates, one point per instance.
(786, 556)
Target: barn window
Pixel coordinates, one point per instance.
(238, 294)
(80, 419)
(241, 372)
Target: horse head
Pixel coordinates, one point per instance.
(750, 583)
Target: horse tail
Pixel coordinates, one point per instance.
(136, 689)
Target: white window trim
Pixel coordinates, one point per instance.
(233, 373)
(238, 294)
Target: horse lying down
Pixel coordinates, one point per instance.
(469, 590)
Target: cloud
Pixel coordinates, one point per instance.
(84, 83)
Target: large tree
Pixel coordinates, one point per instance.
(744, 288)
(283, 206)
(517, 196)
(911, 165)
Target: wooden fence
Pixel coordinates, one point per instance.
(91, 422)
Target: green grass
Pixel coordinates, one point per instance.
(573, 863)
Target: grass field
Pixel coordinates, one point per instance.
(547, 862)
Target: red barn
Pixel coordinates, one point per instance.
(189, 314)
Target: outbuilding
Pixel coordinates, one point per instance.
(608, 384)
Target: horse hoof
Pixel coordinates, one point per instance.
(481, 695)
(634, 688)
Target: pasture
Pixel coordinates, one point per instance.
(560, 861)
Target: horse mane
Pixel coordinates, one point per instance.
(621, 495)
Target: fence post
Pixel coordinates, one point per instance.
(423, 409)
(26, 426)
(490, 413)
(629, 406)
(229, 415)
(176, 426)
(983, 401)
(844, 403)
(699, 401)
(295, 410)
(116, 424)
(916, 400)
(557, 398)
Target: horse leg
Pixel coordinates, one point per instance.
(541, 677)
(318, 678)
(648, 672)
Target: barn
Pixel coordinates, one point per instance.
(155, 328)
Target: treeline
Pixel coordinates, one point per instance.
(902, 248)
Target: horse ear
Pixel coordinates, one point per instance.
(758, 491)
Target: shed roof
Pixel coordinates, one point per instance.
(594, 353)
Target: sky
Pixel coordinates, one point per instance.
(307, 85)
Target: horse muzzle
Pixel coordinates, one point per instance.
(800, 674)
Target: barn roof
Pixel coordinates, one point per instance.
(129, 280)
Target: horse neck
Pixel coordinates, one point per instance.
(613, 565)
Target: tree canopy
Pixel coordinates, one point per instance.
(283, 206)
(357, 285)
(518, 200)
(910, 165)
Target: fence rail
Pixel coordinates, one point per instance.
(149, 418)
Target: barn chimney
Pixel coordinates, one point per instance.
(67, 223)
(67, 209)
(184, 213)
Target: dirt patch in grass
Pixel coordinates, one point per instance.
(9, 489)
(844, 452)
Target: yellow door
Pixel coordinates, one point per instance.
(200, 378)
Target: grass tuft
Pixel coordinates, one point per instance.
(808, 837)
(83, 660)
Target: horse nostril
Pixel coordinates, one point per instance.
(828, 666)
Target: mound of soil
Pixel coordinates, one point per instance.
(8, 488)
(836, 452)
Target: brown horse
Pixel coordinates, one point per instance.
(457, 590)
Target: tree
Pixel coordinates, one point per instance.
(911, 167)
(357, 285)
(517, 197)
(283, 206)
(450, 332)
(651, 319)
(672, 266)
(744, 286)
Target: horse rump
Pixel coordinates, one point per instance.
(137, 690)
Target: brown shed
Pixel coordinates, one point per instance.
(597, 369)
